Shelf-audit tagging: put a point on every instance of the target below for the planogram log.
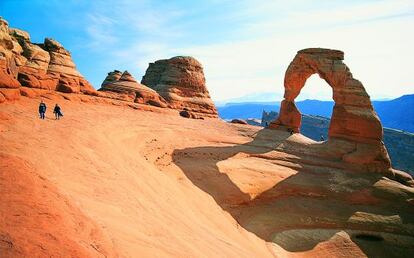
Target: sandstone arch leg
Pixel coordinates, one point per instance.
(289, 119)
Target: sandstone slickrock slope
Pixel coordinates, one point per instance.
(126, 83)
(200, 188)
(180, 80)
(355, 127)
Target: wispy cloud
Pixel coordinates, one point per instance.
(129, 22)
(377, 50)
(100, 31)
(245, 45)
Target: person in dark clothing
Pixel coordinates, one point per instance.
(42, 109)
(322, 138)
(57, 111)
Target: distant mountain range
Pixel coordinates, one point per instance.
(397, 113)
(247, 109)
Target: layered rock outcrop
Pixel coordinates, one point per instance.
(44, 66)
(8, 49)
(180, 81)
(354, 120)
(32, 69)
(125, 83)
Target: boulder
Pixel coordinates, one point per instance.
(125, 83)
(180, 80)
(238, 121)
(188, 114)
(111, 77)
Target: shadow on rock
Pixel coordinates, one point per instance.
(313, 204)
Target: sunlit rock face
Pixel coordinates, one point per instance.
(180, 80)
(44, 66)
(125, 83)
(8, 67)
(117, 81)
(353, 121)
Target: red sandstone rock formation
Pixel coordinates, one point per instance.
(354, 120)
(44, 66)
(180, 80)
(239, 121)
(49, 67)
(125, 83)
(8, 68)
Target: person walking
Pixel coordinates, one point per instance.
(42, 109)
(57, 111)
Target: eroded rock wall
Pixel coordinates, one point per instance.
(46, 66)
(180, 81)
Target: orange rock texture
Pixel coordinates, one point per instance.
(180, 80)
(353, 119)
(126, 83)
(46, 66)
(27, 69)
(158, 185)
(117, 178)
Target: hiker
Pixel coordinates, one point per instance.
(290, 130)
(57, 111)
(322, 138)
(42, 109)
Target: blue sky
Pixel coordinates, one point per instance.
(244, 45)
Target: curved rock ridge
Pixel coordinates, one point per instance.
(111, 77)
(45, 66)
(354, 120)
(117, 81)
(180, 80)
(125, 83)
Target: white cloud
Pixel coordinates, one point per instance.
(98, 28)
(262, 40)
(378, 52)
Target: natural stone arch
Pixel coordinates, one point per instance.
(353, 116)
(353, 119)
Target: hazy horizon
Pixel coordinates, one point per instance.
(245, 47)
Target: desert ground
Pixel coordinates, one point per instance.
(111, 180)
